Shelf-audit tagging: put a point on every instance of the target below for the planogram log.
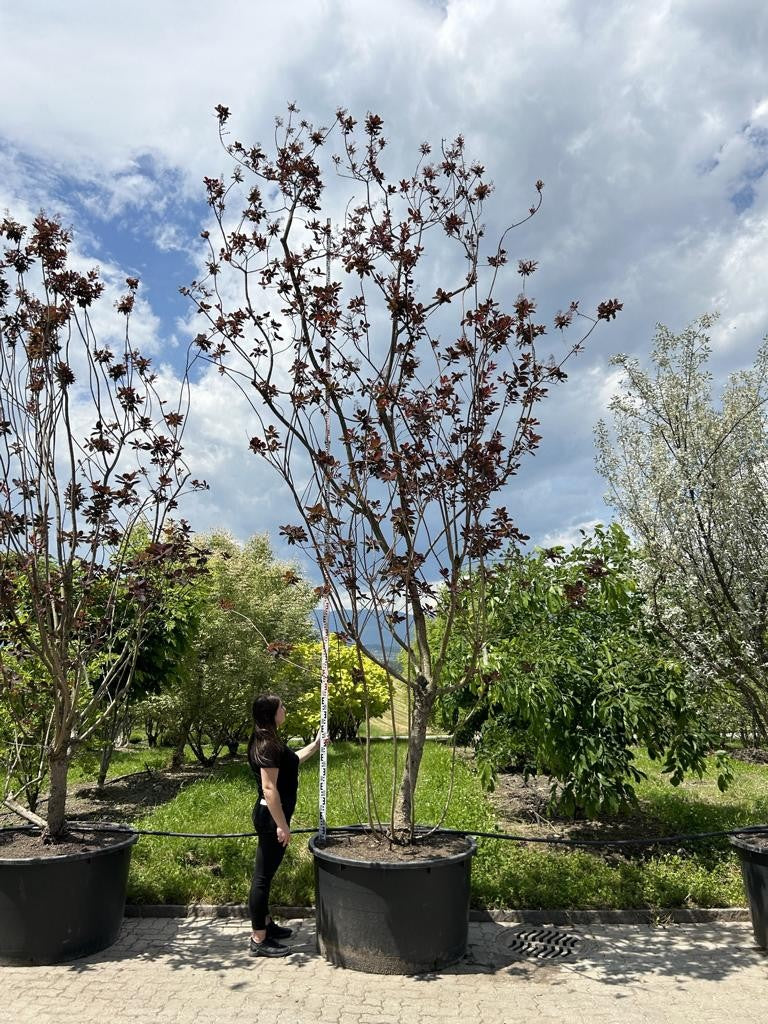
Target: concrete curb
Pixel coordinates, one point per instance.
(672, 915)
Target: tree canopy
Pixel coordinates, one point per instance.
(250, 610)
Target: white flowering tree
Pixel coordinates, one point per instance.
(688, 474)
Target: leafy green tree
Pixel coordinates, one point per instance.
(688, 476)
(251, 610)
(571, 678)
(162, 663)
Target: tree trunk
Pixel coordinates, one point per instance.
(110, 730)
(423, 701)
(57, 796)
(177, 760)
(106, 759)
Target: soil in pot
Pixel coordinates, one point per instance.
(758, 843)
(368, 846)
(29, 844)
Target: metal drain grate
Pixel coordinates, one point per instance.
(543, 944)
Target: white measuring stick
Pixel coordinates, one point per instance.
(323, 794)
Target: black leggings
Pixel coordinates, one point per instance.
(269, 856)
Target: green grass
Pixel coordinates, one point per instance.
(531, 877)
(702, 874)
(697, 805)
(504, 874)
(85, 767)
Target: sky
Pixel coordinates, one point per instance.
(647, 122)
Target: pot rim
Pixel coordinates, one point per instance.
(387, 865)
(127, 838)
(747, 842)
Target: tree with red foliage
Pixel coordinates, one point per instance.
(389, 323)
(92, 466)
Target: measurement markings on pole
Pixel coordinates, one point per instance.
(324, 671)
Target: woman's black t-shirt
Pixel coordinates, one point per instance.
(287, 764)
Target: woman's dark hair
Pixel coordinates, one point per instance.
(264, 746)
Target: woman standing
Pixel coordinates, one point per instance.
(276, 768)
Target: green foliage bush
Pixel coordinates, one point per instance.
(570, 679)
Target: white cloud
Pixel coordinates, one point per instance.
(569, 536)
(647, 121)
(168, 238)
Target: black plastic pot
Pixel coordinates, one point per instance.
(754, 870)
(389, 917)
(58, 908)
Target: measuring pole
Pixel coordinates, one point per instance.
(323, 794)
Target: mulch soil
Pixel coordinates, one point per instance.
(377, 849)
(18, 845)
(522, 808)
(750, 755)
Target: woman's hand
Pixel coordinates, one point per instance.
(311, 748)
(283, 836)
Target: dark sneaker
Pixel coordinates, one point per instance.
(276, 931)
(268, 948)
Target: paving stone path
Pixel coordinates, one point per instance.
(183, 970)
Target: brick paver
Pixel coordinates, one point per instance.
(175, 971)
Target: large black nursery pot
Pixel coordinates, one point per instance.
(58, 908)
(389, 917)
(753, 854)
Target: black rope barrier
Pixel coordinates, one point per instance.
(345, 829)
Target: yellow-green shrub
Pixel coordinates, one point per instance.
(350, 690)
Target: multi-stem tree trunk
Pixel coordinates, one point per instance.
(104, 762)
(112, 727)
(177, 758)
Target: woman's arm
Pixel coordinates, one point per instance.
(310, 750)
(272, 797)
